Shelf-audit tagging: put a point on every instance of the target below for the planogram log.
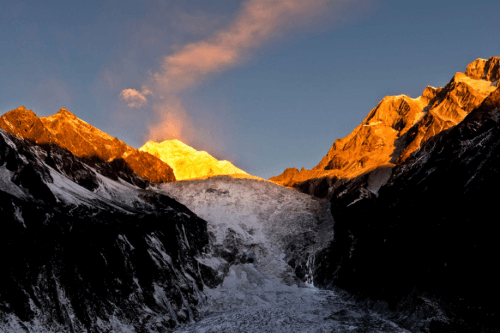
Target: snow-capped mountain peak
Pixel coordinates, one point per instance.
(189, 163)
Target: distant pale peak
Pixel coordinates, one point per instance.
(189, 163)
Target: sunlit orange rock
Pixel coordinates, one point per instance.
(189, 163)
(399, 125)
(25, 124)
(482, 69)
(83, 140)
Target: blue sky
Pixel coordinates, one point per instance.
(281, 104)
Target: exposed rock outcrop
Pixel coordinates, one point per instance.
(482, 69)
(447, 109)
(83, 140)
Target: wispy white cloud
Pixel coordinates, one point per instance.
(135, 98)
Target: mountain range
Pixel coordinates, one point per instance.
(396, 127)
(393, 231)
(162, 162)
(412, 192)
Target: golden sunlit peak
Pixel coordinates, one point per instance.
(187, 162)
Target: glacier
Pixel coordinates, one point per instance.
(263, 240)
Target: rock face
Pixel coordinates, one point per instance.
(482, 69)
(426, 241)
(83, 140)
(400, 125)
(187, 162)
(447, 109)
(84, 253)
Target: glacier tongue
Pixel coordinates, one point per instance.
(263, 245)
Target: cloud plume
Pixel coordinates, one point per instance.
(257, 22)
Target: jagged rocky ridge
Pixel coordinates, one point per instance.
(426, 241)
(396, 127)
(84, 253)
(65, 130)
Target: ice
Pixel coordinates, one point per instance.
(265, 296)
(248, 301)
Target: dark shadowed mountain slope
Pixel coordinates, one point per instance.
(80, 252)
(427, 241)
(398, 126)
(83, 140)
